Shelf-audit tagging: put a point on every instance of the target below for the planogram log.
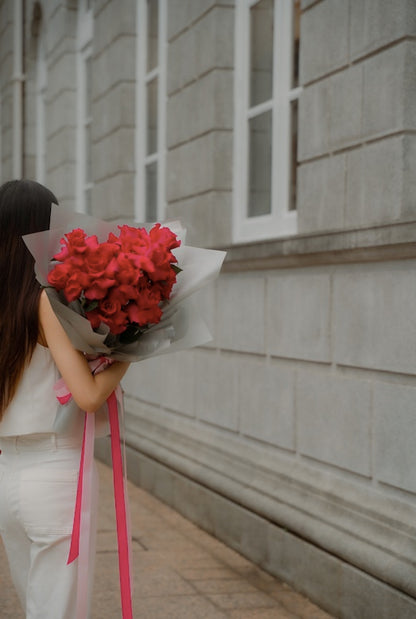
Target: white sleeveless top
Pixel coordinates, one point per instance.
(34, 406)
(35, 409)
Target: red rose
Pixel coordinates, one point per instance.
(94, 318)
(144, 315)
(145, 309)
(127, 271)
(99, 260)
(76, 240)
(112, 238)
(165, 286)
(109, 308)
(162, 268)
(110, 312)
(133, 239)
(91, 242)
(98, 288)
(164, 237)
(74, 243)
(59, 275)
(74, 286)
(125, 293)
(142, 262)
(64, 253)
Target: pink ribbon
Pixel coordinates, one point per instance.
(81, 531)
(123, 537)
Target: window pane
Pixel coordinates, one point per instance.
(88, 200)
(261, 52)
(152, 33)
(296, 37)
(88, 155)
(88, 84)
(260, 164)
(151, 192)
(294, 154)
(152, 88)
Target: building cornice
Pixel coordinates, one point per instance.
(375, 244)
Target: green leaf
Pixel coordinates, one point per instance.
(131, 334)
(88, 307)
(176, 268)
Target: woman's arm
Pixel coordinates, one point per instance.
(89, 391)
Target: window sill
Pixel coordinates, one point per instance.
(380, 243)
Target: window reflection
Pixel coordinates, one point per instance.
(296, 39)
(261, 52)
(152, 98)
(152, 33)
(294, 153)
(151, 192)
(260, 165)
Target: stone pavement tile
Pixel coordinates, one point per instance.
(263, 613)
(230, 601)
(217, 549)
(300, 605)
(106, 540)
(149, 581)
(161, 582)
(209, 573)
(176, 607)
(196, 560)
(106, 604)
(223, 586)
(221, 552)
(9, 602)
(263, 581)
(174, 544)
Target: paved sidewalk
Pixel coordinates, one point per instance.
(180, 572)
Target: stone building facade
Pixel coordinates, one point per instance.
(284, 132)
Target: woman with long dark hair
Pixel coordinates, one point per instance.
(39, 458)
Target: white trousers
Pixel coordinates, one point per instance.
(38, 482)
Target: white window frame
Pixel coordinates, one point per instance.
(144, 77)
(41, 88)
(84, 53)
(281, 221)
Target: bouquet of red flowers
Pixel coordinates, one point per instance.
(116, 289)
(122, 282)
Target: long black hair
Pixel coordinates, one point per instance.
(25, 207)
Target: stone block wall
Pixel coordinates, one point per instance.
(299, 414)
(289, 435)
(59, 23)
(200, 118)
(357, 114)
(113, 96)
(113, 101)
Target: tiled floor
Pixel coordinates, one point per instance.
(180, 572)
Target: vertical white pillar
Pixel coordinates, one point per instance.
(18, 79)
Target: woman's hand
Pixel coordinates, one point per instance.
(89, 391)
